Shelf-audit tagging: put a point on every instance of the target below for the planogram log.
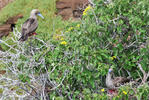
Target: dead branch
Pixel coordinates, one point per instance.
(145, 75)
(36, 89)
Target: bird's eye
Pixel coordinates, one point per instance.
(36, 13)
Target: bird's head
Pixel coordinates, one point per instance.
(110, 70)
(36, 12)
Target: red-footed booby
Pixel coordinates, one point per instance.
(30, 25)
(113, 82)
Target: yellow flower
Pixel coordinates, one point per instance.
(86, 10)
(102, 90)
(113, 57)
(125, 92)
(84, 13)
(63, 42)
(78, 26)
(70, 29)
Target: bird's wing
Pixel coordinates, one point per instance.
(120, 80)
(29, 26)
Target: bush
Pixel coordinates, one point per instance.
(109, 35)
(76, 62)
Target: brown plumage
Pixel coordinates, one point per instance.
(112, 83)
(30, 25)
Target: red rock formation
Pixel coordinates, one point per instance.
(9, 24)
(70, 8)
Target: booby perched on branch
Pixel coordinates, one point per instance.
(30, 25)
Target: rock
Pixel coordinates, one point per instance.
(10, 23)
(70, 8)
(6, 28)
(13, 20)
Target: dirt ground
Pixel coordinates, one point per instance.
(70, 8)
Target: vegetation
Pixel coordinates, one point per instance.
(78, 56)
(47, 9)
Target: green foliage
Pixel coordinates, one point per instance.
(126, 30)
(24, 78)
(117, 39)
(110, 35)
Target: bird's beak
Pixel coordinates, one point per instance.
(39, 14)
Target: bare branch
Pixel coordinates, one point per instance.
(145, 75)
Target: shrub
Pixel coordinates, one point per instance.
(109, 35)
(76, 63)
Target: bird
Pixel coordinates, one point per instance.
(109, 80)
(30, 25)
(113, 82)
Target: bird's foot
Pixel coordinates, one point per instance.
(112, 91)
(31, 34)
(34, 33)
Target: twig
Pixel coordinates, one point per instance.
(65, 74)
(145, 75)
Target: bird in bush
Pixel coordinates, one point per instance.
(30, 25)
(113, 82)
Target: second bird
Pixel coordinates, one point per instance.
(30, 25)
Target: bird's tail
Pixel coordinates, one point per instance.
(24, 35)
(23, 38)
